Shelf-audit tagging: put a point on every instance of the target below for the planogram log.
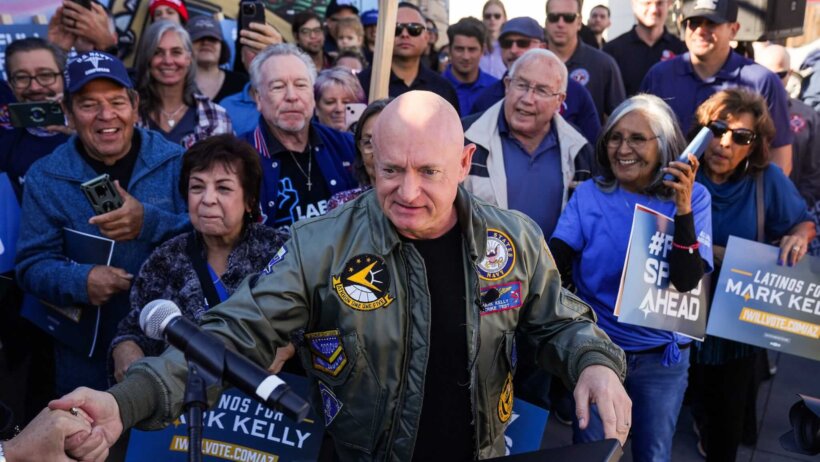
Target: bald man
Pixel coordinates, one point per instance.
(804, 123)
(408, 299)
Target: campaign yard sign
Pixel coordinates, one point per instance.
(526, 428)
(762, 303)
(238, 429)
(646, 297)
(9, 224)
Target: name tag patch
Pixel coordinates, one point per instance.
(327, 351)
(330, 403)
(509, 297)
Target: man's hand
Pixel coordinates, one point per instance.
(124, 355)
(106, 281)
(106, 426)
(600, 385)
(44, 437)
(282, 355)
(122, 224)
(57, 32)
(260, 37)
(91, 24)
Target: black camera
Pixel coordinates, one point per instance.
(101, 194)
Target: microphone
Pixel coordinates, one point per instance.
(162, 320)
(697, 146)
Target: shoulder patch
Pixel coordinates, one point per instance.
(364, 283)
(499, 257)
(330, 403)
(280, 255)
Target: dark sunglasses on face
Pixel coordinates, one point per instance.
(506, 43)
(568, 17)
(495, 16)
(741, 136)
(413, 28)
(782, 74)
(694, 23)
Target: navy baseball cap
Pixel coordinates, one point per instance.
(94, 65)
(203, 26)
(717, 11)
(370, 18)
(523, 25)
(336, 6)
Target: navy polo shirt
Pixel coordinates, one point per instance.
(578, 108)
(425, 80)
(535, 185)
(599, 73)
(635, 57)
(676, 82)
(468, 92)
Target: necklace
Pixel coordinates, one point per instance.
(169, 116)
(299, 166)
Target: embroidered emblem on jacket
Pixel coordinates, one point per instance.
(327, 351)
(505, 400)
(330, 403)
(499, 258)
(280, 255)
(509, 297)
(363, 283)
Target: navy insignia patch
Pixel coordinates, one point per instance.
(280, 255)
(330, 403)
(509, 297)
(505, 400)
(499, 257)
(363, 283)
(327, 351)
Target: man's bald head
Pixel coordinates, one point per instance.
(420, 159)
(776, 59)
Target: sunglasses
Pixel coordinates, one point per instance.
(495, 16)
(568, 17)
(741, 136)
(506, 43)
(782, 74)
(413, 28)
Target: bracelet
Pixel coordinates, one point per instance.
(690, 248)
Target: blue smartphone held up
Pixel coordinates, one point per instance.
(698, 145)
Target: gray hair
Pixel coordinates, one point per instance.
(149, 98)
(663, 123)
(342, 77)
(541, 54)
(280, 49)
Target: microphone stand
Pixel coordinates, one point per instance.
(195, 403)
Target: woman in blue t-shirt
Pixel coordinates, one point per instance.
(640, 143)
(723, 372)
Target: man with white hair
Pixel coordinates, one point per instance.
(407, 300)
(303, 162)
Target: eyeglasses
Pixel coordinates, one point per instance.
(488, 16)
(636, 142)
(782, 74)
(413, 28)
(23, 81)
(741, 136)
(310, 31)
(540, 91)
(366, 144)
(567, 17)
(506, 43)
(694, 23)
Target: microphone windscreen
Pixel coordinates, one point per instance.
(156, 315)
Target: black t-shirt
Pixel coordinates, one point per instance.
(445, 429)
(635, 57)
(234, 83)
(122, 169)
(296, 200)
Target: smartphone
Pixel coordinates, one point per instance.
(353, 112)
(101, 194)
(36, 114)
(84, 3)
(251, 11)
(696, 148)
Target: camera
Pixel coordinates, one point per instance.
(101, 194)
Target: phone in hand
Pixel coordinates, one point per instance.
(353, 112)
(101, 194)
(83, 3)
(696, 147)
(36, 114)
(251, 11)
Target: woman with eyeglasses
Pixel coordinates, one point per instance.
(495, 15)
(640, 144)
(735, 164)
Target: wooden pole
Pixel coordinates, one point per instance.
(383, 55)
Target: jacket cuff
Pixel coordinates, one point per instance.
(612, 360)
(78, 283)
(133, 410)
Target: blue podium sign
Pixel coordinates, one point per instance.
(9, 224)
(761, 303)
(526, 428)
(646, 297)
(237, 428)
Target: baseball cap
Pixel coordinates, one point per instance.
(717, 11)
(203, 26)
(176, 5)
(334, 7)
(94, 65)
(370, 18)
(523, 25)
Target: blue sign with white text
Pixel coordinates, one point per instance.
(9, 224)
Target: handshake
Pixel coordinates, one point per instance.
(80, 426)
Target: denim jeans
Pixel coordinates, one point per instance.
(657, 395)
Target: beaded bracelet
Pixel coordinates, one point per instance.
(690, 248)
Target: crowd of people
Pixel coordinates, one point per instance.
(281, 211)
